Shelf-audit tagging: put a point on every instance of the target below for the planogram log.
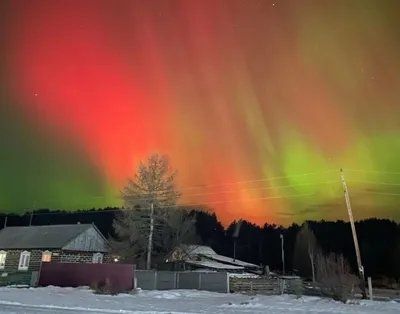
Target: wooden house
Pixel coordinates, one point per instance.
(199, 257)
(23, 249)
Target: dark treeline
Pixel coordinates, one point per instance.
(379, 239)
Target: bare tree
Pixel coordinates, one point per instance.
(334, 277)
(306, 251)
(148, 198)
(180, 229)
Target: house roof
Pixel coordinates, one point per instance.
(214, 265)
(197, 249)
(36, 237)
(229, 260)
(208, 253)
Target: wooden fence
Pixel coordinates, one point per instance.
(267, 286)
(18, 278)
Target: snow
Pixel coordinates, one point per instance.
(81, 300)
(206, 252)
(215, 265)
(244, 275)
(198, 249)
(225, 259)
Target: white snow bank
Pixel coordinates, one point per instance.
(243, 275)
(180, 301)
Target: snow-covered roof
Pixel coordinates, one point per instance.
(46, 237)
(225, 259)
(214, 265)
(199, 249)
(244, 275)
(207, 252)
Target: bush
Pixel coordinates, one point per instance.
(297, 287)
(102, 287)
(385, 282)
(334, 277)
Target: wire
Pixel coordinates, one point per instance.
(227, 184)
(242, 190)
(373, 182)
(371, 171)
(177, 205)
(257, 180)
(247, 190)
(381, 193)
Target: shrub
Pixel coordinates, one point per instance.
(334, 277)
(297, 287)
(102, 287)
(385, 282)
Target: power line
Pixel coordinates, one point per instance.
(206, 186)
(245, 190)
(377, 183)
(257, 180)
(252, 189)
(230, 183)
(372, 171)
(381, 193)
(173, 206)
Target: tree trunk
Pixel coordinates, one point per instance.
(312, 261)
(312, 267)
(150, 243)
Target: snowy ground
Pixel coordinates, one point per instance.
(73, 301)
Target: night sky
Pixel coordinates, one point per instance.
(258, 103)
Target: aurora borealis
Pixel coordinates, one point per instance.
(258, 103)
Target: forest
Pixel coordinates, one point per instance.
(379, 239)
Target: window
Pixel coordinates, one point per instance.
(24, 260)
(46, 256)
(3, 255)
(97, 258)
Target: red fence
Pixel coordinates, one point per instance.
(120, 276)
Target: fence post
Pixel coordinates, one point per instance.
(228, 288)
(267, 271)
(370, 288)
(199, 280)
(135, 282)
(155, 280)
(177, 280)
(281, 283)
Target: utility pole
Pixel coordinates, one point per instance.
(31, 217)
(283, 253)
(235, 236)
(354, 232)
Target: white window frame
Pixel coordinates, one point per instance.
(46, 253)
(24, 260)
(97, 258)
(3, 257)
